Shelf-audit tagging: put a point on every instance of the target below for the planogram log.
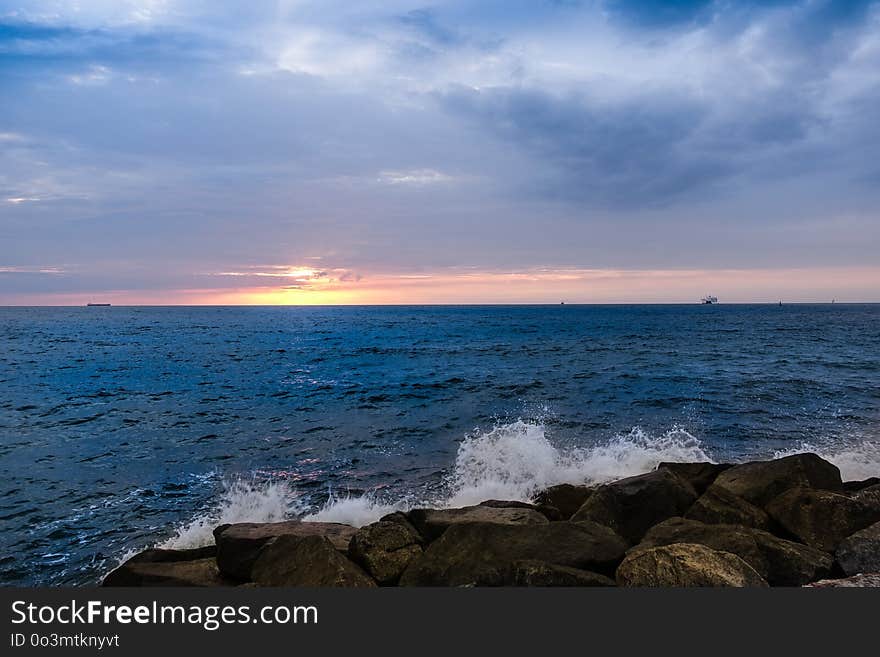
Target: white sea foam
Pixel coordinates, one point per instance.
(240, 501)
(356, 511)
(514, 461)
(856, 461)
(511, 461)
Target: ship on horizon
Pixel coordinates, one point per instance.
(90, 305)
(708, 300)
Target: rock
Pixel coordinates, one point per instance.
(632, 506)
(860, 552)
(198, 572)
(868, 580)
(760, 481)
(790, 563)
(431, 523)
(507, 504)
(686, 564)
(400, 517)
(855, 486)
(719, 506)
(384, 549)
(238, 545)
(698, 475)
(162, 555)
(530, 572)
(780, 562)
(483, 554)
(306, 561)
(869, 495)
(822, 518)
(567, 498)
(549, 512)
(156, 567)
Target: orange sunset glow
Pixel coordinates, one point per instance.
(301, 285)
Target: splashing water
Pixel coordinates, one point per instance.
(859, 461)
(356, 511)
(240, 501)
(511, 461)
(514, 461)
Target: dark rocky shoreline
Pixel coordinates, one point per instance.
(786, 522)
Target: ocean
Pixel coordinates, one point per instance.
(126, 427)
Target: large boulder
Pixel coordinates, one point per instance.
(822, 518)
(866, 580)
(699, 475)
(483, 554)
(860, 552)
(384, 549)
(567, 498)
(431, 523)
(531, 572)
(856, 486)
(686, 565)
(508, 504)
(157, 567)
(760, 481)
(719, 506)
(780, 562)
(549, 512)
(239, 545)
(306, 561)
(401, 517)
(633, 505)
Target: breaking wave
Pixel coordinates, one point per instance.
(514, 461)
(511, 461)
(240, 501)
(356, 511)
(856, 462)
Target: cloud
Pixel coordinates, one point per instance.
(31, 270)
(414, 177)
(150, 143)
(659, 13)
(303, 277)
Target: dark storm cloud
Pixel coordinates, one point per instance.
(652, 147)
(631, 153)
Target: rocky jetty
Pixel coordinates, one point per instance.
(787, 522)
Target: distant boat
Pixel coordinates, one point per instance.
(562, 303)
(709, 300)
(90, 305)
(780, 303)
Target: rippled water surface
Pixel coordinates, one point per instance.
(124, 427)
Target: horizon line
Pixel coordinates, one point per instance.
(440, 305)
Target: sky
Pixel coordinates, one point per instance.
(492, 151)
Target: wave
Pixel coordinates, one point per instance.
(356, 511)
(856, 461)
(512, 461)
(242, 500)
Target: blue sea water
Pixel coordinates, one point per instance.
(125, 427)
